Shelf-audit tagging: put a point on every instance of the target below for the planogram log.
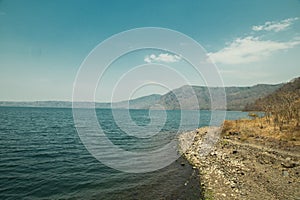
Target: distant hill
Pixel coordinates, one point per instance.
(54, 104)
(287, 93)
(237, 99)
(144, 102)
(139, 103)
(292, 86)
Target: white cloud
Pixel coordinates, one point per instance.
(275, 26)
(163, 57)
(250, 49)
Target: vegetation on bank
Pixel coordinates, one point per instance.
(278, 119)
(261, 128)
(281, 108)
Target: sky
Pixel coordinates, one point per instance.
(44, 43)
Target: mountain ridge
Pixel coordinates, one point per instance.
(237, 97)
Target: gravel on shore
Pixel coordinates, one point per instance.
(233, 169)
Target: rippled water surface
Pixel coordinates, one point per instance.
(42, 157)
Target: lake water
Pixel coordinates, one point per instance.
(42, 157)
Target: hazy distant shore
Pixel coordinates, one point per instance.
(237, 98)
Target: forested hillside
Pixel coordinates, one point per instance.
(283, 105)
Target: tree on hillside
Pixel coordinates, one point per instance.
(282, 106)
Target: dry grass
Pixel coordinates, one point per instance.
(246, 129)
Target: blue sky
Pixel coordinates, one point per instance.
(43, 43)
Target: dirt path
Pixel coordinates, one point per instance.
(238, 170)
(264, 148)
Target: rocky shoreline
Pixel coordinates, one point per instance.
(230, 168)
